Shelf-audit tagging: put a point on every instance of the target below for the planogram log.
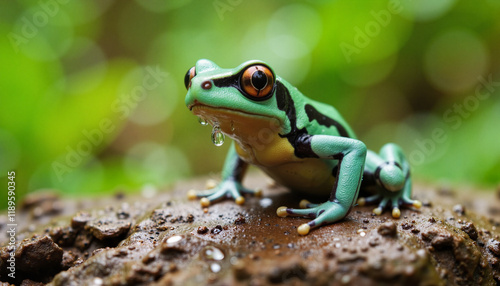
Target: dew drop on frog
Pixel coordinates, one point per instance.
(217, 136)
(202, 121)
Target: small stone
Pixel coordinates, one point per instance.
(459, 209)
(104, 230)
(373, 242)
(239, 221)
(216, 230)
(387, 229)
(39, 256)
(330, 255)
(494, 247)
(406, 226)
(471, 230)
(80, 220)
(202, 230)
(442, 241)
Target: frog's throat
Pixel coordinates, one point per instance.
(238, 124)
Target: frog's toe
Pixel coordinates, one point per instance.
(191, 195)
(239, 200)
(304, 229)
(309, 212)
(396, 213)
(412, 203)
(368, 200)
(325, 213)
(256, 192)
(281, 212)
(304, 204)
(417, 204)
(204, 202)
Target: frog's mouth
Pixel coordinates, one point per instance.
(199, 108)
(236, 123)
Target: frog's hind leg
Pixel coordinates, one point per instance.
(390, 171)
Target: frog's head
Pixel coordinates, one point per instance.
(241, 101)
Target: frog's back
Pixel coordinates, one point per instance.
(316, 117)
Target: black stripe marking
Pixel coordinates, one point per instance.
(298, 138)
(229, 81)
(324, 120)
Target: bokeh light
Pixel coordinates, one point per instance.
(108, 76)
(454, 60)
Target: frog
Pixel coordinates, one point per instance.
(302, 144)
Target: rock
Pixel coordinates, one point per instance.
(494, 247)
(37, 259)
(387, 229)
(108, 229)
(168, 240)
(471, 230)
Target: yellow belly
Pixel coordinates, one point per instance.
(277, 159)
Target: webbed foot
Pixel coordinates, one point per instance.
(230, 189)
(321, 214)
(396, 200)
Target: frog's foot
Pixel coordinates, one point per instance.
(226, 189)
(396, 202)
(321, 214)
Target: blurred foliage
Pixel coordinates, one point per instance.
(92, 95)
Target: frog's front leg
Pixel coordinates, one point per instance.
(230, 187)
(390, 172)
(351, 154)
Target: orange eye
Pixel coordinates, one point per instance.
(189, 76)
(257, 82)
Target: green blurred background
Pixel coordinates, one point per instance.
(92, 93)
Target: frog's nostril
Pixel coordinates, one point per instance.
(206, 84)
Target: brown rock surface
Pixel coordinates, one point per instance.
(452, 240)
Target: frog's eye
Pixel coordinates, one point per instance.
(257, 82)
(189, 76)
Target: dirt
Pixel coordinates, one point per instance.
(167, 240)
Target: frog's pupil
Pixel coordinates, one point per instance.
(186, 78)
(259, 79)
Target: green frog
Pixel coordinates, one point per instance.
(302, 144)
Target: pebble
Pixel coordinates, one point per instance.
(387, 229)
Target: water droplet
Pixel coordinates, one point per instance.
(97, 281)
(174, 239)
(217, 136)
(202, 121)
(265, 202)
(215, 267)
(212, 253)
